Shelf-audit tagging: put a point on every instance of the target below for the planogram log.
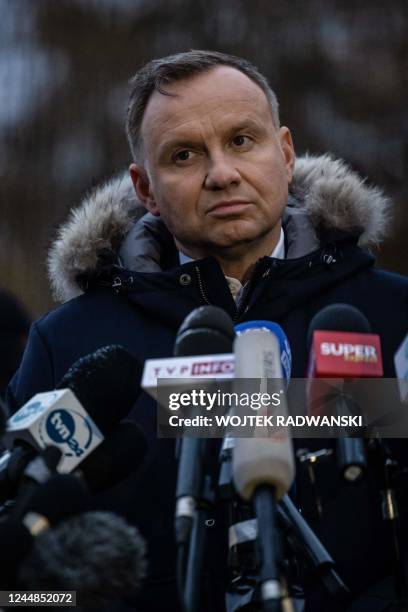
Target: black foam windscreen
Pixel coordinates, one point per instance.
(96, 554)
(106, 383)
(206, 330)
(339, 317)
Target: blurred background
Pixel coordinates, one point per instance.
(340, 70)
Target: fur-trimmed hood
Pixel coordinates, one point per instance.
(325, 189)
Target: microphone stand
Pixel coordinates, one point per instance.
(305, 543)
(268, 549)
(191, 541)
(302, 540)
(196, 550)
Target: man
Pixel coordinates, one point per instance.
(232, 221)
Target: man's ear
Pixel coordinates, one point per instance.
(288, 150)
(142, 187)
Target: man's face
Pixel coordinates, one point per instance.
(215, 167)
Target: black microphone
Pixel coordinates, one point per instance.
(339, 317)
(206, 330)
(60, 497)
(96, 554)
(40, 469)
(118, 456)
(106, 383)
(351, 455)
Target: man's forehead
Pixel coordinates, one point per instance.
(220, 90)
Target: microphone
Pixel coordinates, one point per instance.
(59, 498)
(243, 533)
(270, 460)
(40, 469)
(342, 345)
(284, 346)
(119, 455)
(96, 554)
(99, 379)
(353, 355)
(205, 330)
(74, 417)
(204, 365)
(225, 478)
(263, 468)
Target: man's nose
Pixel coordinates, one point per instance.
(221, 172)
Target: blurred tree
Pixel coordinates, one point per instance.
(340, 71)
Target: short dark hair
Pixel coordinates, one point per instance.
(158, 73)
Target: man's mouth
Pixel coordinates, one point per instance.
(226, 208)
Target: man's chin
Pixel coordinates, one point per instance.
(231, 241)
(237, 237)
(231, 248)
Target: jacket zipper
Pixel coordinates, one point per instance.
(239, 310)
(201, 286)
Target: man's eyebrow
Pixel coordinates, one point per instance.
(180, 142)
(176, 142)
(245, 125)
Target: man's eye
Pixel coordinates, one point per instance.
(184, 155)
(241, 141)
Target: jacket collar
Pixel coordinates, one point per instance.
(276, 286)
